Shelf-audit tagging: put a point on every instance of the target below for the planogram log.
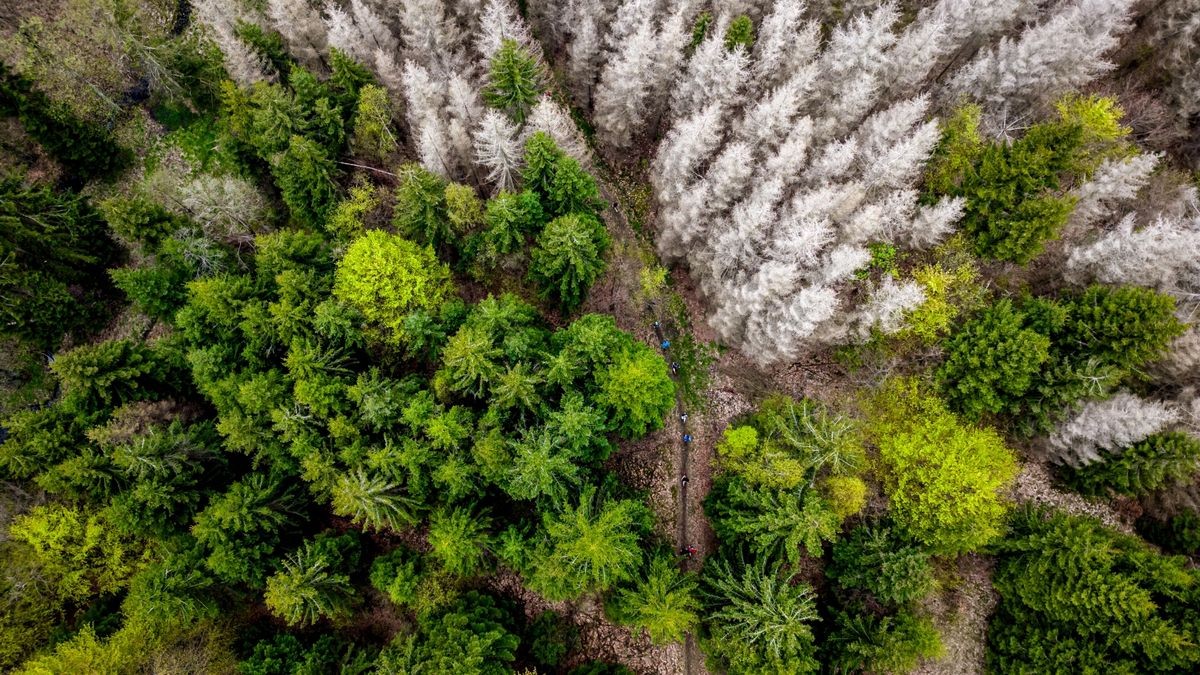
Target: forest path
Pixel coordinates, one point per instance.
(620, 294)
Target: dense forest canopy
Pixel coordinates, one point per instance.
(599, 337)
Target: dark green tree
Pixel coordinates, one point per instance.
(569, 257)
(242, 528)
(740, 34)
(84, 148)
(1124, 326)
(50, 240)
(515, 80)
(1012, 205)
(140, 221)
(879, 561)
(305, 175)
(774, 524)
(1077, 596)
(991, 361)
(1155, 462)
(108, 374)
(471, 638)
(420, 210)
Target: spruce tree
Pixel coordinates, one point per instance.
(514, 81)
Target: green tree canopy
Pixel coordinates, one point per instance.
(944, 479)
(386, 278)
(568, 258)
(313, 583)
(588, 548)
(515, 80)
(757, 619)
(637, 390)
(1077, 596)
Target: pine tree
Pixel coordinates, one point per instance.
(431, 37)
(550, 118)
(1155, 461)
(307, 589)
(372, 135)
(1107, 427)
(1113, 183)
(625, 87)
(514, 81)
(458, 539)
(374, 501)
(305, 175)
(588, 548)
(584, 51)
(244, 65)
(499, 22)
(302, 28)
(569, 257)
(784, 44)
(1160, 255)
(713, 74)
(681, 154)
(359, 33)
(878, 560)
(498, 150)
(775, 525)
(541, 470)
(757, 618)
(1047, 60)
(1073, 593)
(663, 602)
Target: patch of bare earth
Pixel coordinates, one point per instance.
(1034, 486)
(960, 612)
(599, 638)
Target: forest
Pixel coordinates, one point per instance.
(599, 337)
